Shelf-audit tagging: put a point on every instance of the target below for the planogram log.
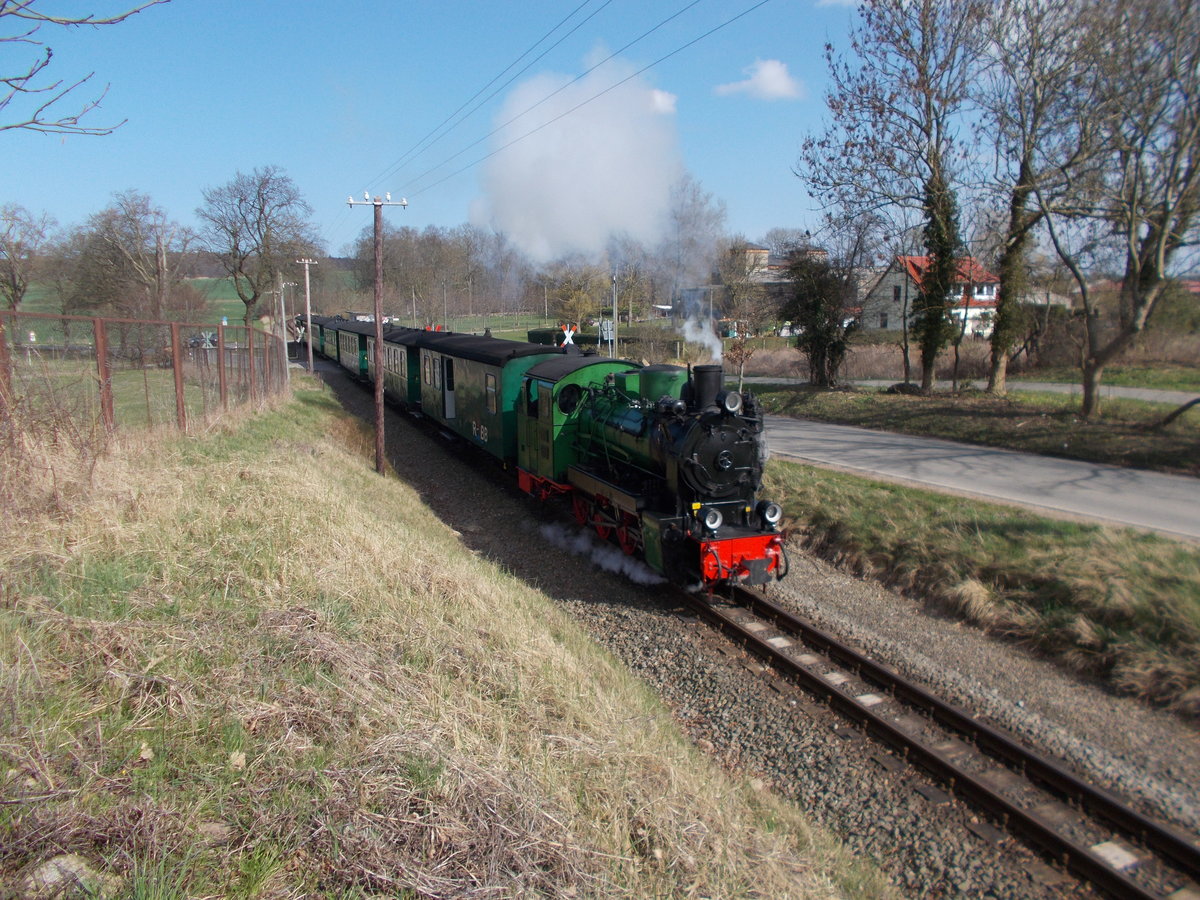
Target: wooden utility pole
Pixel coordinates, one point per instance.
(379, 204)
(307, 311)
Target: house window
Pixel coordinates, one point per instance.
(896, 293)
(883, 318)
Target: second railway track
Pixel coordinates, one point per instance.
(1088, 830)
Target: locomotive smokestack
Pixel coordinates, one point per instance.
(707, 382)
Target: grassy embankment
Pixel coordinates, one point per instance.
(243, 665)
(1109, 602)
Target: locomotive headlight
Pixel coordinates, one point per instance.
(711, 518)
(731, 402)
(770, 512)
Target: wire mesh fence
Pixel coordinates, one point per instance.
(124, 373)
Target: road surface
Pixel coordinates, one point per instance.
(1165, 503)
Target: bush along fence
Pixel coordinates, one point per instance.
(131, 373)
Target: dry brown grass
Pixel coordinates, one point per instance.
(246, 666)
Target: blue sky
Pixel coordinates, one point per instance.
(213, 87)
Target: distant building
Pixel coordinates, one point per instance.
(891, 297)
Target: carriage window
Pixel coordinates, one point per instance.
(425, 367)
(437, 374)
(490, 389)
(449, 374)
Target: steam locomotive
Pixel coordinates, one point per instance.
(660, 459)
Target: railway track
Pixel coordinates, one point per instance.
(1078, 826)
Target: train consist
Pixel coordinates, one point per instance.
(660, 459)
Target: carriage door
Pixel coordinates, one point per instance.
(448, 388)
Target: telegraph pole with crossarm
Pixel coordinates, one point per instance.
(307, 311)
(379, 204)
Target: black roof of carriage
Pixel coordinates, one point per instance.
(489, 350)
(561, 367)
(322, 320)
(402, 334)
(354, 327)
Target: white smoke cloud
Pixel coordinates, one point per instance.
(601, 169)
(604, 555)
(698, 329)
(768, 79)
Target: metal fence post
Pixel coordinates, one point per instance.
(104, 373)
(250, 362)
(177, 366)
(221, 368)
(269, 364)
(5, 368)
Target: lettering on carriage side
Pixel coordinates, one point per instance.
(479, 432)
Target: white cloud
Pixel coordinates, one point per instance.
(605, 167)
(769, 80)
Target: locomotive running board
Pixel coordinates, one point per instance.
(591, 485)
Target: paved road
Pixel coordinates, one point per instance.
(1165, 503)
(1153, 395)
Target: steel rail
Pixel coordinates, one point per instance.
(1039, 769)
(1076, 857)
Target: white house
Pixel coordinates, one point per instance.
(890, 299)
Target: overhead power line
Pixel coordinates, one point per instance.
(577, 106)
(553, 94)
(433, 137)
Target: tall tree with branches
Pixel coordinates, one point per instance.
(23, 237)
(30, 97)
(257, 225)
(1041, 107)
(893, 139)
(145, 248)
(1142, 203)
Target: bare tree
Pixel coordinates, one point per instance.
(579, 290)
(893, 139)
(1143, 204)
(145, 248)
(636, 284)
(782, 241)
(23, 237)
(746, 302)
(697, 220)
(31, 99)
(257, 225)
(1039, 97)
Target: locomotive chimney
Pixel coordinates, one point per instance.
(707, 382)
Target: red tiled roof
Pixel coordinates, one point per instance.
(969, 271)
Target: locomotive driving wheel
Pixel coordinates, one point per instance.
(602, 520)
(629, 535)
(601, 524)
(581, 508)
